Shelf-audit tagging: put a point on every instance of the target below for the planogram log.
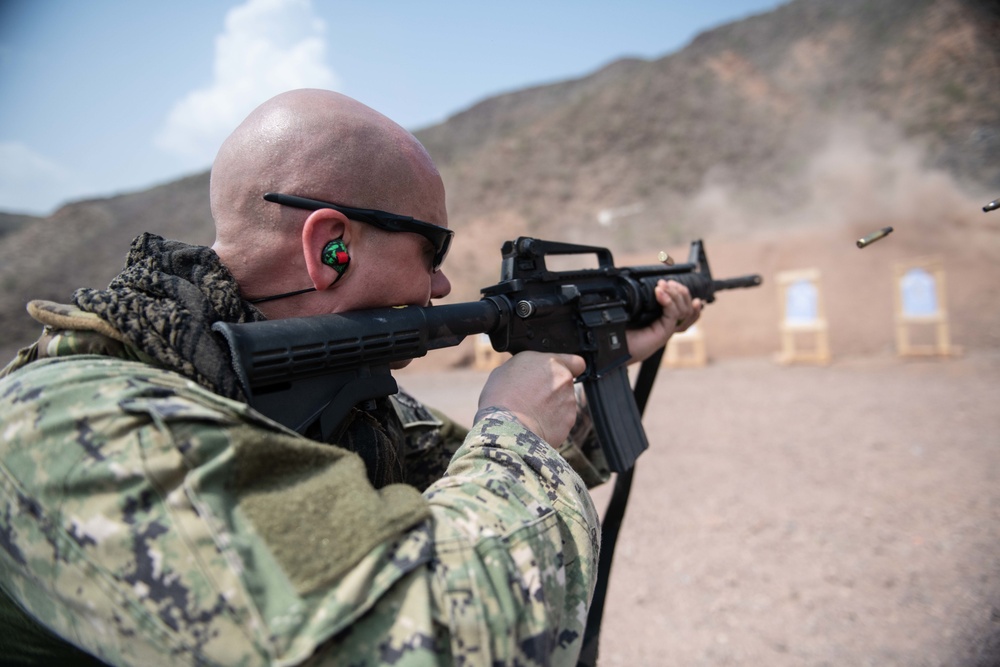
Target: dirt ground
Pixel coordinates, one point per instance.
(804, 516)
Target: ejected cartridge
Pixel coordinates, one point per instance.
(874, 236)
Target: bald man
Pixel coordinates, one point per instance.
(150, 516)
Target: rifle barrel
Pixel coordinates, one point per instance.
(735, 283)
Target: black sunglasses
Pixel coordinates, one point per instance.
(439, 237)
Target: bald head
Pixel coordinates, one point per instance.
(318, 144)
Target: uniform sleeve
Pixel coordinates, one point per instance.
(431, 439)
(515, 522)
(513, 542)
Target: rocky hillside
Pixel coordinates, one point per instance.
(11, 222)
(737, 125)
(798, 128)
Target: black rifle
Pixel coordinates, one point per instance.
(308, 373)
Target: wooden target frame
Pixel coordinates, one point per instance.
(803, 318)
(921, 307)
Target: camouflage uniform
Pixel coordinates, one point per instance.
(147, 517)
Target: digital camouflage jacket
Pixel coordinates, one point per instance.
(148, 518)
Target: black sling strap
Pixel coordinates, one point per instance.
(613, 520)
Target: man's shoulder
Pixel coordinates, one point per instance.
(68, 375)
(56, 393)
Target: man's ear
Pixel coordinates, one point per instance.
(319, 229)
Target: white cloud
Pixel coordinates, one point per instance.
(267, 46)
(32, 183)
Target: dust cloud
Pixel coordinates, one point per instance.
(863, 173)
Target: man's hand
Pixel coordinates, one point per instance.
(680, 311)
(538, 389)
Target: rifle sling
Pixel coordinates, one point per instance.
(613, 516)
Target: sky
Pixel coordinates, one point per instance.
(100, 97)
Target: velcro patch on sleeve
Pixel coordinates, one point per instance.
(315, 508)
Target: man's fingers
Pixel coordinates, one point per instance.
(573, 362)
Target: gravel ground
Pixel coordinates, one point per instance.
(804, 516)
